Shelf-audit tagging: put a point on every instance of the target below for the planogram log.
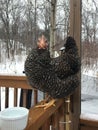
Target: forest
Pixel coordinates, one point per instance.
(23, 21)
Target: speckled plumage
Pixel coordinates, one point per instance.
(41, 74)
(68, 63)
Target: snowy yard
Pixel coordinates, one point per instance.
(89, 97)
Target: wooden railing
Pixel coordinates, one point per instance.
(50, 119)
(54, 118)
(89, 122)
(15, 82)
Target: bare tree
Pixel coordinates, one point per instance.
(89, 34)
(53, 26)
(5, 18)
(24, 22)
(9, 16)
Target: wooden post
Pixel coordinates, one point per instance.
(35, 96)
(75, 31)
(75, 20)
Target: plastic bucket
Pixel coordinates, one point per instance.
(13, 118)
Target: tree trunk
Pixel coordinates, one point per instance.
(53, 26)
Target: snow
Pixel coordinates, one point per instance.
(14, 67)
(89, 116)
(89, 85)
(89, 94)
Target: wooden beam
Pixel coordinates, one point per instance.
(88, 128)
(90, 122)
(75, 20)
(75, 31)
(16, 81)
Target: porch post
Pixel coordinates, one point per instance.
(75, 31)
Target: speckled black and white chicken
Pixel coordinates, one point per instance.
(43, 75)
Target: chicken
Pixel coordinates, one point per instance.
(41, 73)
(68, 63)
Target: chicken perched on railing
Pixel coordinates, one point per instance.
(43, 75)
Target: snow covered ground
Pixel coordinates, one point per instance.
(89, 92)
(14, 67)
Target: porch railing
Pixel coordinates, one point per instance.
(54, 118)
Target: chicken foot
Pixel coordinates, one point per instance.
(46, 103)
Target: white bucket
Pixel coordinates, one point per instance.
(13, 118)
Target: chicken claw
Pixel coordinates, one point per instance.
(47, 105)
